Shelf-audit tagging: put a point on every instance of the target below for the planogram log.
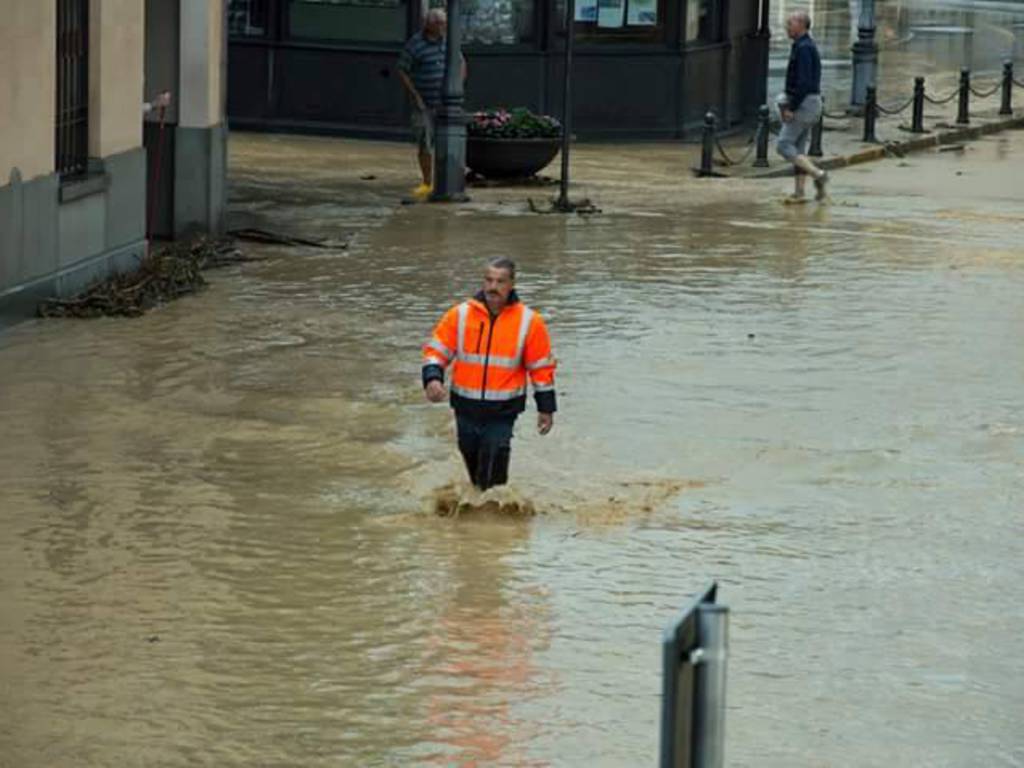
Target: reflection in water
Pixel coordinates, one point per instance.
(214, 549)
(481, 647)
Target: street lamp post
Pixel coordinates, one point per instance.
(450, 137)
(865, 54)
(563, 203)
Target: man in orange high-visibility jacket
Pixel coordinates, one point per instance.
(494, 343)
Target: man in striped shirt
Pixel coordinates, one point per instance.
(421, 70)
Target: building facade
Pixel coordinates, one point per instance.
(643, 68)
(78, 153)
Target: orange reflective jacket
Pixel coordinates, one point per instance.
(492, 357)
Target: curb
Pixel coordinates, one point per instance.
(880, 151)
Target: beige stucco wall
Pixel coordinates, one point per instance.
(116, 74)
(27, 87)
(202, 44)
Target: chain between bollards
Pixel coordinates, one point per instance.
(870, 114)
(764, 128)
(963, 116)
(1006, 108)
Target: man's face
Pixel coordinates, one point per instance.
(795, 27)
(436, 28)
(498, 284)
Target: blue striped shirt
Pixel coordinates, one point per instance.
(423, 61)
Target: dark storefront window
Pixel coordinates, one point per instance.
(617, 21)
(703, 21)
(498, 22)
(247, 18)
(72, 125)
(364, 21)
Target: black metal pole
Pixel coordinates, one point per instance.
(917, 120)
(865, 54)
(963, 116)
(707, 151)
(763, 132)
(563, 187)
(1007, 105)
(450, 143)
(870, 114)
(816, 131)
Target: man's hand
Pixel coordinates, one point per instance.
(787, 115)
(545, 421)
(435, 391)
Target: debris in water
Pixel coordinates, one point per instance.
(582, 208)
(276, 238)
(163, 275)
(476, 180)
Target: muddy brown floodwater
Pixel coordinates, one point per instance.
(213, 550)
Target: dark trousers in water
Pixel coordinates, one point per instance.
(486, 446)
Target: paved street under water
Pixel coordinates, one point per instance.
(215, 549)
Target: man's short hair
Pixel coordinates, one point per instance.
(435, 15)
(503, 263)
(803, 16)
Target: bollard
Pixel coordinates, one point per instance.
(707, 151)
(816, 131)
(870, 114)
(917, 121)
(763, 132)
(963, 116)
(709, 690)
(1007, 106)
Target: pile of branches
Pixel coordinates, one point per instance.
(162, 275)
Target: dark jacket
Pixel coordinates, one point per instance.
(803, 75)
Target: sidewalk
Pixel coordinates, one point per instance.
(842, 138)
(294, 184)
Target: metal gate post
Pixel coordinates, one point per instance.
(763, 134)
(707, 151)
(917, 120)
(963, 112)
(709, 690)
(1006, 107)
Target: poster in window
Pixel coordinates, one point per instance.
(611, 13)
(586, 11)
(642, 13)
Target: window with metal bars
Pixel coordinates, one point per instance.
(72, 128)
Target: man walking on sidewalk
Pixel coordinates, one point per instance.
(800, 107)
(494, 343)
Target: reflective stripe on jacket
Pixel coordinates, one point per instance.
(492, 358)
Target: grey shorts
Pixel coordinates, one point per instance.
(423, 128)
(794, 135)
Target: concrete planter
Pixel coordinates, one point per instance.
(509, 158)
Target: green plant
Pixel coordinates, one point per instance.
(518, 123)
